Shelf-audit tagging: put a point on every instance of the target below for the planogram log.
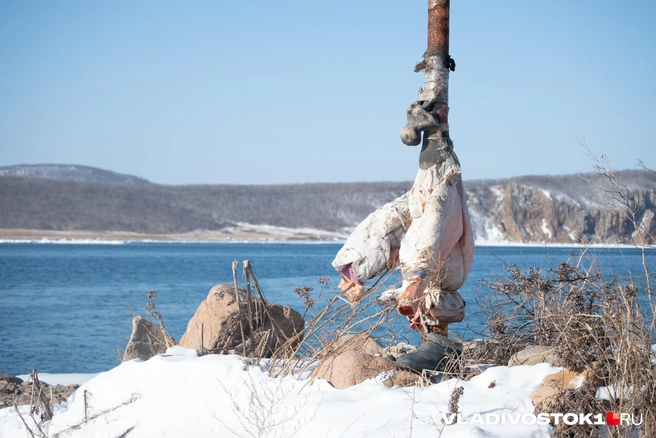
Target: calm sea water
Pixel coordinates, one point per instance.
(68, 307)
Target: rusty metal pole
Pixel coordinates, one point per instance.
(437, 63)
(438, 26)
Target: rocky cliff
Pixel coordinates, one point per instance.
(565, 209)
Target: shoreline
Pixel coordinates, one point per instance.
(236, 236)
(275, 235)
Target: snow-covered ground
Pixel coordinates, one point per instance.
(181, 395)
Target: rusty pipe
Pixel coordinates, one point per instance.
(438, 26)
(437, 62)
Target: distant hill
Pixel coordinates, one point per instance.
(69, 172)
(31, 203)
(551, 209)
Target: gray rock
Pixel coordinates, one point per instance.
(147, 340)
(9, 384)
(21, 394)
(10, 379)
(534, 355)
(7, 387)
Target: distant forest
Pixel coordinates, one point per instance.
(41, 204)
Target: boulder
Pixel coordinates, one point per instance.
(356, 342)
(554, 385)
(349, 368)
(572, 380)
(14, 390)
(9, 384)
(219, 322)
(544, 398)
(564, 380)
(7, 387)
(147, 340)
(10, 379)
(534, 355)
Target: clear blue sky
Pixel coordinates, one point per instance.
(257, 92)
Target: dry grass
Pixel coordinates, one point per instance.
(327, 319)
(597, 322)
(600, 322)
(264, 413)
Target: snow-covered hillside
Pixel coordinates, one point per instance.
(69, 172)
